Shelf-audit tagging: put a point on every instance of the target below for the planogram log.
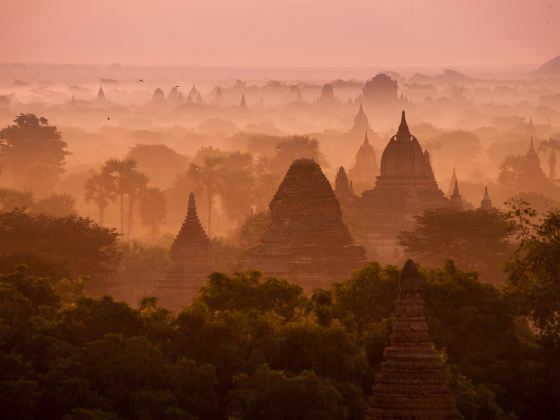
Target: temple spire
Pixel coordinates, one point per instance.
(403, 127)
(366, 140)
(412, 382)
(486, 203)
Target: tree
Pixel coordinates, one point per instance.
(100, 189)
(58, 247)
(533, 275)
(208, 177)
(456, 145)
(553, 146)
(237, 185)
(160, 163)
(57, 205)
(127, 182)
(32, 152)
(479, 240)
(153, 209)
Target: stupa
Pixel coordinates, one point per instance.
(194, 96)
(486, 203)
(411, 383)
(327, 95)
(343, 189)
(380, 90)
(405, 188)
(191, 262)
(361, 123)
(365, 169)
(243, 105)
(307, 241)
(100, 95)
(456, 199)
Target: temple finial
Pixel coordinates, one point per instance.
(366, 140)
(410, 277)
(403, 127)
(192, 202)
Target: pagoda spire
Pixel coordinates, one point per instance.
(366, 140)
(403, 127)
(486, 203)
(412, 381)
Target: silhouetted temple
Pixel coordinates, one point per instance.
(194, 96)
(361, 123)
(191, 262)
(531, 177)
(486, 203)
(452, 184)
(158, 97)
(456, 199)
(307, 241)
(174, 97)
(243, 104)
(404, 189)
(411, 383)
(327, 95)
(343, 189)
(365, 169)
(100, 95)
(380, 90)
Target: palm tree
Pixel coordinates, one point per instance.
(553, 146)
(99, 189)
(208, 176)
(153, 209)
(127, 182)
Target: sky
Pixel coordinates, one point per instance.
(283, 33)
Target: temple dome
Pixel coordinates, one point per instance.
(403, 157)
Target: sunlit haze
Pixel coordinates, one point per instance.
(281, 33)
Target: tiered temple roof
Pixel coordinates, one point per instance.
(361, 122)
(406, 171)
(365, 169)
(307, 241)
(191, 262)
(412, 382)
(486, 203)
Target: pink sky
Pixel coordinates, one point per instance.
(281, 32)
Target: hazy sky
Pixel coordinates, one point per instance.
(281, 32)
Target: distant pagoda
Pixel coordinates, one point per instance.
(452, 183)
(486, 203)
(194, 96)
(404, 189)
(307, 241)
(361, 123)
(243, 105)
(405, 170)
(412, 382)
(365, 169)
(327, 95)
(191, 262)
(100, 95)
(456, 199)
(343, 189)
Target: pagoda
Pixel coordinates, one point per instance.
(327, 95)
(100, 95)
(243, 105)
(404, 189)
(343, 189)
(194, 96)
(191, 262)
(452, 183)
(486, 203)
(307, 241)
(365, 168)
(412, 382)
(456, 199)
(361, 123)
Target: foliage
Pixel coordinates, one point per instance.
(69, 246)
(32, 152)
(153, 209)
(479, 240)
(257, 347)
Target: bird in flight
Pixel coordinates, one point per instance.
(108, 118)
(141, 80)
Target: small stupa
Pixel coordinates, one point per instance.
(412, 382)
(486, 203)
(361, 122)
(365, 169)
(307, 241)
(191, 262)
(456, 199)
